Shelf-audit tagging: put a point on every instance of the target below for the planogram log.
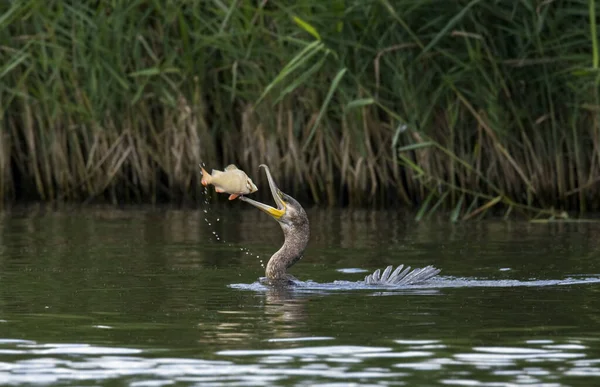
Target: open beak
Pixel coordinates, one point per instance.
(278, 212)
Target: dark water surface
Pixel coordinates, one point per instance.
(150, 297)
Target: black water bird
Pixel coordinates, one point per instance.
(296, 231)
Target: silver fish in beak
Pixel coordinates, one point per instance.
(232, 180)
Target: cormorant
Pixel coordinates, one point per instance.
(293, 221)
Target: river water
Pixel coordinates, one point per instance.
(156, 297)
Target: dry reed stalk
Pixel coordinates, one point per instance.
(6, 182)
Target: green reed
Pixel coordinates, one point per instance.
(468, 107)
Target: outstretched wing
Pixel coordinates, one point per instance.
(401, 276)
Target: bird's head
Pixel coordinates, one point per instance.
(286, 211)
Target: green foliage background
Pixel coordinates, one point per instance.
(459, 105)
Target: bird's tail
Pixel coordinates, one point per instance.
(401, 276)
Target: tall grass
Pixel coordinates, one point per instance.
(466, 106)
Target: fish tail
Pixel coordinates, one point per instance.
(206, 177)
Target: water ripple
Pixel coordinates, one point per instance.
(28, 362)
(440, 282)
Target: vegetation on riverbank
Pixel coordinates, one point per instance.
(466, 106)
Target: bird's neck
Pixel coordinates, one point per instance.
(296, 238)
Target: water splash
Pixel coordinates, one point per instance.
(434, 284)
(209, 222)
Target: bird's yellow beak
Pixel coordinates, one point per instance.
(276, 213)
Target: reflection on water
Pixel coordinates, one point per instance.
(148, 297)
(534, 362)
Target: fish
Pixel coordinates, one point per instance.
(232, 180)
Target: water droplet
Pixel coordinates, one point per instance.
(206, 212)
(218, 219)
